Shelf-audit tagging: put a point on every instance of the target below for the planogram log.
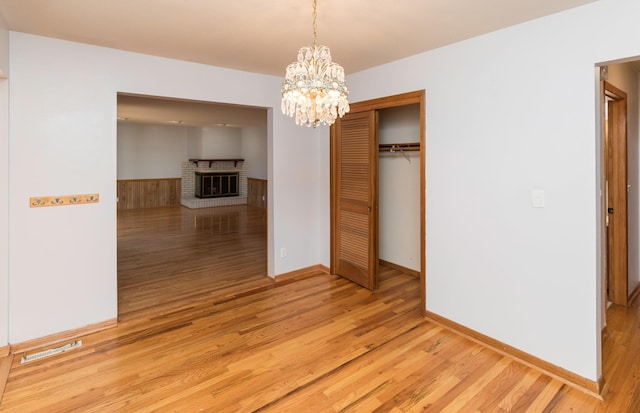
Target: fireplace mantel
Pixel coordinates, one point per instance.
(235, 161)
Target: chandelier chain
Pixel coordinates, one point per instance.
(315, 22)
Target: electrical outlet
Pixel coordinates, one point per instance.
(537, 198)
(283, 252)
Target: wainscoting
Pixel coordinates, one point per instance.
(148, 193)
(257, 192)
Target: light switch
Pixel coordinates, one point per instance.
(537, 198)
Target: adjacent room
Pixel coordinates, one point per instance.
(182, 241)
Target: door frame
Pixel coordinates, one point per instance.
(410, 98)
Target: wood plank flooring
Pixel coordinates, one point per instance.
(186, 342)
(170, 257)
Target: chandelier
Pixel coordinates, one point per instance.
(314, 90)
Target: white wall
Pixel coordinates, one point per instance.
(151, 151)
(625, 77)
(194, 143)
(509, 112)
(221, 142)
(4, 182)
(63, 141)
(157, 151)
(314, 243)
(254, 151)
(399, 188)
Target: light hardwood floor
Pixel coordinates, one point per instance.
(218, 338)
(169, 258)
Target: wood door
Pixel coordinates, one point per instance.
(616, 170)
(354, 182)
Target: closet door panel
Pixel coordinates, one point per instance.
(355, 198)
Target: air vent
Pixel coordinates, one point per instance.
(51, 352)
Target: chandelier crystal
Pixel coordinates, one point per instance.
(314, 90)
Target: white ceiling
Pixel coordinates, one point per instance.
(166, 111)
(264, 36)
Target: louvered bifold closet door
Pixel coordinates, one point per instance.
(355, 207)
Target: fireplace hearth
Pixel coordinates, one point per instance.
(216, 184)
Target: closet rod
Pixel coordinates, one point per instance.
(393, 147)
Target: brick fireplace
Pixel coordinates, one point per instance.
(216, 184)
(215, 172)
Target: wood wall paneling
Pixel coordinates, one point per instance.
(148, 193)
(257, 192)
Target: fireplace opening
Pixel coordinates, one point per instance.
(216, 184)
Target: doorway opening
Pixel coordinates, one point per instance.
(616, 186)
(355, 178)
(618, 84)
(399, 188)
(173, 253)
